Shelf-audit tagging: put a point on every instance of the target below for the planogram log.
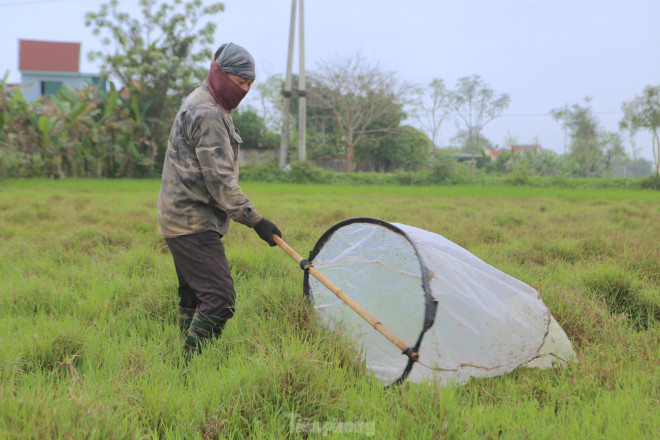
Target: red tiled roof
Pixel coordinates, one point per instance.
(49, 56)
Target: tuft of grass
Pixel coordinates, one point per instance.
(623, 294)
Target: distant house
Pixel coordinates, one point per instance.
(465, 157)
(46, 66)
(517, 149)
(492, 154)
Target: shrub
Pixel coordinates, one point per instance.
(518, 179)
(268, 172)
(307, 172)
(446, 170)
(652, 182)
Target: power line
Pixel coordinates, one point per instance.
(32, 2)
(539, 115)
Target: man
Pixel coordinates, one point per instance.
(199, 196)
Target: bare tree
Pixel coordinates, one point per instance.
(433, 108)
(359, 95)
(476, 105)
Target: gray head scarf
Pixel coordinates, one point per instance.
(236, 60)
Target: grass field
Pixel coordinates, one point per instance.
(89, 345)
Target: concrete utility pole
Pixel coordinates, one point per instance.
(302, 93)
(284, 140)
(286, 106)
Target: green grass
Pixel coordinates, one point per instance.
(89, 345)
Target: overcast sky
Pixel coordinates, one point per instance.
(544, 53)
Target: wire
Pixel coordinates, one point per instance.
(33, 2)
(545, 115)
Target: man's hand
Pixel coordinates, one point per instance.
(266, 229)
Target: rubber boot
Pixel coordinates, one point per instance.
(202, 328)
(185, 318)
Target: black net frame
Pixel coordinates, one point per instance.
(430, 305)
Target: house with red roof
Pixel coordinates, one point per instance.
(492, 154)
(46, 66)
(522, 148)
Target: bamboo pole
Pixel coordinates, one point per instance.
(306, 265)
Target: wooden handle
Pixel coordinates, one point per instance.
(407, 350)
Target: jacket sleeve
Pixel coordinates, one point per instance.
(219, 167)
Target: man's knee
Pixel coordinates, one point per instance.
(221, 309)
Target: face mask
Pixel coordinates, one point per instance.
(224, 90)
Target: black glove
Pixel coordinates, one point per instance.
(266, 229)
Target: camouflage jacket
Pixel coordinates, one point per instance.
(199, 187)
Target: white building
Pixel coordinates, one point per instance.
(47, 65)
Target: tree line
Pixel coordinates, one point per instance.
(356, 111)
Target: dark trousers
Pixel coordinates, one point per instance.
(205, 283)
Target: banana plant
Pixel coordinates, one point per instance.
(76, 110)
